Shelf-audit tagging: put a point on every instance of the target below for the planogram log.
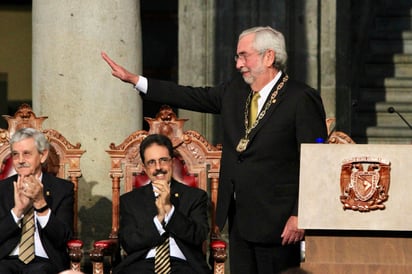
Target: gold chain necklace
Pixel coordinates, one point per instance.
(245, 140)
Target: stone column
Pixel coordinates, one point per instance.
(73, 86)
(302, 42)
(196, 44)
(312, 47)
(327, 70)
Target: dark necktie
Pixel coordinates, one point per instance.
(162, 258)
(253, 108)
(26, 245)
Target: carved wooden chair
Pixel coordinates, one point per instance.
(197, 164)
(63, 161)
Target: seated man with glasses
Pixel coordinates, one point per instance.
(162, 217)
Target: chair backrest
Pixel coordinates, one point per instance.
(64, 157)
(197, 161)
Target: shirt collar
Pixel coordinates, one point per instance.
(265, 91)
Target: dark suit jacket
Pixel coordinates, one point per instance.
(188, 224)
(265, 176)
(59, 229)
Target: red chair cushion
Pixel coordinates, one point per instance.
(218, 244)
(6, 168)
(105, 244)
(75, 243)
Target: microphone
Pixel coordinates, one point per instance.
(393, 110)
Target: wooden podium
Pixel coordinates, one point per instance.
(342, 234)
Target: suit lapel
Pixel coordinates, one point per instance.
(149, 198)
(175, 194)
(10, 186)
(48, 190)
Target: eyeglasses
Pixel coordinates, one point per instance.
(244, 56)
(164, 161)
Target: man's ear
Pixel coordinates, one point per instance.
(269, 58)
(44, 156)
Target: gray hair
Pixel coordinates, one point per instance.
(39, 139)
(269, 38)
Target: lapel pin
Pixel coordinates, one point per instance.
(177, 195)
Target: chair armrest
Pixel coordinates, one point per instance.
(75, 250)
(218, 251)
(102, 248)
(218, 248)
(219, 255)
(75, 243)
(218, 244)
(107, 246)
(75, 253)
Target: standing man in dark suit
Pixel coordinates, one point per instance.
(259, 180)
(51, 199)
(163, 210)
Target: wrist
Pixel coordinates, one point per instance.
(39, 203)
(133, 79)
(42, 208)
(168, 208)
(18, 212)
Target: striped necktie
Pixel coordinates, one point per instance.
(253, 112)
(162, 258)
(26, 245)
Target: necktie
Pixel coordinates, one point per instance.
(253, 108)
(162, 258)
(26, 246)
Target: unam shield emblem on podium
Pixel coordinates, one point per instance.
(364, 183)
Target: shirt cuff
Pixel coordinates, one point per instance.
(169, 215)
(157, 223)
(43, 220)
(16, 219)
(141, 84)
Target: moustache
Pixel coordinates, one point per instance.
(159, 171)
(22, 165)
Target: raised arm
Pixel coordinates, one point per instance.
(119, 71)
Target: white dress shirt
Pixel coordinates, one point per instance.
(174, 248)
(38, 220)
